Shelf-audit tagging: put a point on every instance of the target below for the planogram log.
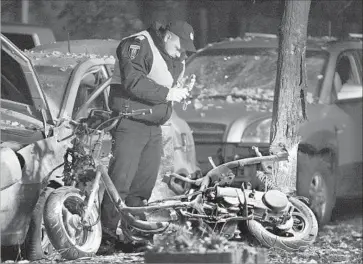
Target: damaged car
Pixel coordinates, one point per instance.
(42, 91)
(231, 111)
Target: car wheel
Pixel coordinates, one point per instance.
(38, 245)
(316, 181)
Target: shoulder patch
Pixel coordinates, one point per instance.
(133, 51)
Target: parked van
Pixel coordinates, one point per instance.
(27, 36)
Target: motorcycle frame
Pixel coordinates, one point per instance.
(126, 212)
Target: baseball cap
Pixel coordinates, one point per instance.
(185, 32)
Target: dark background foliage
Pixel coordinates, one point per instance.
(212, 20)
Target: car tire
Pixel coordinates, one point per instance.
(316, 181)
(37, 243)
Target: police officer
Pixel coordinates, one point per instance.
(148, 66)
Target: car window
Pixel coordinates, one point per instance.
(23, 41)
(345, 68)
(346, 71)
(87, 86)
(346, 83)
(247, 72)
(14, 86)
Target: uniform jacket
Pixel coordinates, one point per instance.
(141, 83)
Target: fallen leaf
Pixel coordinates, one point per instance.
(343, 245)
(85, 258)
(197, 104)
(356, 234)
(229, 99)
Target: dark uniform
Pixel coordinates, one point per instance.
(138, 141)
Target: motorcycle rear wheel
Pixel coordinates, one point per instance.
(302, 234)
(62, 221)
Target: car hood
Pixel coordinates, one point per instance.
(223, 111)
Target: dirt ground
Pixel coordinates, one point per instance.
(340, 242)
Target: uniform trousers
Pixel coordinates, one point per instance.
(137, 150)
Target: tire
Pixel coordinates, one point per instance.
(37, 243)
(316, 181)
(302, 237)
(65, 204)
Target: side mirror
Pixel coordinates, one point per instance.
(350, 91)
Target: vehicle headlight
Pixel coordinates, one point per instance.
(257, 132)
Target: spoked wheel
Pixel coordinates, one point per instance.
(302, 233)
(299, 224)
(71, 236)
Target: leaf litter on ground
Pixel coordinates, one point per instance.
(338, 242)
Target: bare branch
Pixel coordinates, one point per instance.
(345, 7)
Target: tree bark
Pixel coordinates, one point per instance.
(163, 11)
(25, 11)
(289, 98)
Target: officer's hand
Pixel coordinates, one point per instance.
(177, 94)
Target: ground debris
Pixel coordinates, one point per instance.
(118, 258)
(339, 242)
(357, 234)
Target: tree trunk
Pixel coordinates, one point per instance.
(203, 25)
(25, 11)
(289, 99)
(163, 11)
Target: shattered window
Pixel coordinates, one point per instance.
(246, 72)
(54, 83)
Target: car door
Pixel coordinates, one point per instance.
(24, 113)
(24, 121)
(348, 94)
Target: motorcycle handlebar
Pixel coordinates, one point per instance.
(112, 125)
(204, 181)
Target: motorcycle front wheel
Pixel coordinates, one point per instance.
(70, 236)
(301, 235)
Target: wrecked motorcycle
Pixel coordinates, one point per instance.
(72, 215)
(275, 219)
